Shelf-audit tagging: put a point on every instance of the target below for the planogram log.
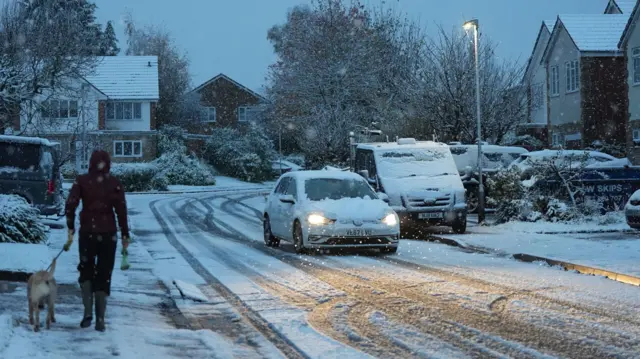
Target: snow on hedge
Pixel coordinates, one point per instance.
(139, 177)
(19, 221)
(181, 169)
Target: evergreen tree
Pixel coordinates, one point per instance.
(109, 44)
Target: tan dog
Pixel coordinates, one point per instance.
(40, 287)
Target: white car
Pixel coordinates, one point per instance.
(632, 210)
(329, 209)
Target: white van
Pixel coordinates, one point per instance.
(420, 179)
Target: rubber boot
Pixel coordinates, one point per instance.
(87, 301)
(101, 307)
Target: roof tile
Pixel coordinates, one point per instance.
(595, 32)
(127, 77)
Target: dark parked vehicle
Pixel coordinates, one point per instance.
(29, 167)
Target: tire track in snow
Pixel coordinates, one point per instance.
(251, 317)
(548, 332)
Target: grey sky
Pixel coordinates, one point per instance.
(229, 36)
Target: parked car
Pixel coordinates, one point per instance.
(285, 166)
(632, 210)
(329, 209)
(572, 158)
(494, 158)
(419, 177)
(29, 168)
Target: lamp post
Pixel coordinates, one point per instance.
(473, 24)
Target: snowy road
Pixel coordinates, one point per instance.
(429, 301)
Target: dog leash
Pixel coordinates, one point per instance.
(54, 259)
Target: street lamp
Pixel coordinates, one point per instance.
(473, 24)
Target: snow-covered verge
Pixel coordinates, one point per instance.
(19, 221)
(610, 222)
(619, 253)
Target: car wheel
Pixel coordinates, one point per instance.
(269, 239)
(298, 241)
(459, 226)
(389, 250)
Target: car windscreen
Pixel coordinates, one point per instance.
(416, 162)
(22, 156)
(318, 189)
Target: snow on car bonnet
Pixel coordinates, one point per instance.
(351, 208)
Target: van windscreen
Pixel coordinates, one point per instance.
(23, 156)
(416, 162)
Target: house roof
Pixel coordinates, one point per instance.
(549, 24)
(127, 77)
(625, 6)
(544, 27)
(631, 23)
(590, 33)
(223, 76)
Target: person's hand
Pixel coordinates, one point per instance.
(125, 242)
(67, 245)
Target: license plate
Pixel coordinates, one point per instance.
(359, 232)
(430, 215)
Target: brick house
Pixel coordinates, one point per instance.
(586, 81)
(113, 109)
(630, 46)
(223, 103)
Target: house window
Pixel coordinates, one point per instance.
(554, 80)
(537, 95)
(58, 109)
(636, 65)
(207, 114)
(636, 135)
(573, 76)
(557, 140)
(123, 111)
(127, 148)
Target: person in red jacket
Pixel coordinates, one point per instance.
(101, 194)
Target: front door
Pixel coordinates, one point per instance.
(82, 157)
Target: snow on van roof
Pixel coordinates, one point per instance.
(305, 175)
(495, 148)
(28, 140)
(382, 146)
(556, 153)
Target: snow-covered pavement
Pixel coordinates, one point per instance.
(247, 300)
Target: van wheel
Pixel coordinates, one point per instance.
(459, 226)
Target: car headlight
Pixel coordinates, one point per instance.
(317, 220)
(390, 219)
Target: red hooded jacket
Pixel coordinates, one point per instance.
(101, 194)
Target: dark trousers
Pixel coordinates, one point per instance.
(97, 258)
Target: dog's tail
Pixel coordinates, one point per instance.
(53, 266)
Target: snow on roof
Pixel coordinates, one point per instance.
(561, 153)
(600, 32)
(626, 6)
(382, 146)
(28, 140)
(127, 77)
(305, 175)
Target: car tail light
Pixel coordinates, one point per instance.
(51, 187)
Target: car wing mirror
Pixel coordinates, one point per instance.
(364, 174)
(287, 199)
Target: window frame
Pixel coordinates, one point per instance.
(47, 107)
(560, 139)
(122, 144)
(111, 110)
(572, 69)
(554, 81)
(635, 56)
(208, 110)
(634, 138)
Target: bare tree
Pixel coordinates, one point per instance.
(173, 66)
(44, 44)
(451, 96)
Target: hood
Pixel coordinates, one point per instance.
(408, 185)
(351, 208)
(100, 162)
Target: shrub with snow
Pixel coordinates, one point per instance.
(505, 185)
(181, 169)
(171, 139)
(247, 157)
(19, 221)
(68, 170)
(138, 177)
